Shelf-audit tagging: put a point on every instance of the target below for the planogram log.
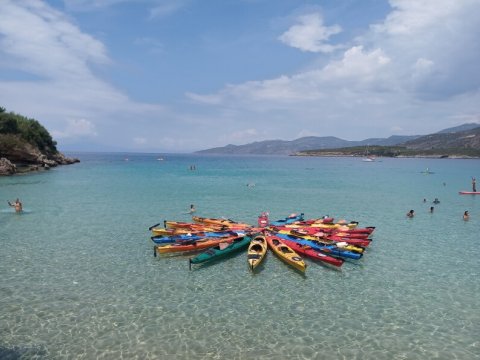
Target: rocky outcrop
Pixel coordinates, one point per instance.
(20, 156)
(6, 167)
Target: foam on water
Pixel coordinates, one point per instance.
(79, 280)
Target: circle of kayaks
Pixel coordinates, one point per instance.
(290, 239)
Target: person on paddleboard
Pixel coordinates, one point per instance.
(17, 205)
(474, 185)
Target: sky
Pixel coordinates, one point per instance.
(185, 75)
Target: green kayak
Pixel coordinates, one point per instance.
(221, 250)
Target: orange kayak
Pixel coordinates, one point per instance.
(193, 246)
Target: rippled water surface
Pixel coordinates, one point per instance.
(78, 279)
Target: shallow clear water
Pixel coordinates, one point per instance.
(78, 278)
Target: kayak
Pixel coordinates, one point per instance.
(285, 253)
(191, 246)
(221, 251)
(166, 239)
(328, 223)
(220, 222)
(311, 253)
(333, 250)
(163, 239)
(342, 231)
(469, 192)
(327, 238)
(288, 220)
(256, 251)
(188, 226)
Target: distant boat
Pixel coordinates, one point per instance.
(160, 159)
(367, 157)
(427, 171)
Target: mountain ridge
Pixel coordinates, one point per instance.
(288, 147)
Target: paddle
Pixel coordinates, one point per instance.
(153, 226)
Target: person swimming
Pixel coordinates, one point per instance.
(17, 205)
(411, 214)
(192, 209)
(436, 201)
(466, 215)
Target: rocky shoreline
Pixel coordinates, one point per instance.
(30, 163)
(391, 157)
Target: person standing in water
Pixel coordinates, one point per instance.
(411, 214)
(466, 216)
(17, 205)
(474, 185)
(192, 209)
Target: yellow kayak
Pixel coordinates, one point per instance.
(220, 222)
(256, 251)
(285, 253)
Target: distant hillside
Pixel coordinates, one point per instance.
(464, 127)
(469, 139)
(441, 145)
(284, 147)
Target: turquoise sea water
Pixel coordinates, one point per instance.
(78, 279)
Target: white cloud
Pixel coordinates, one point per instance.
(357, 65)
(357, 69)
(41, 41)
(140, 141)
(59, 85)
(205, 99)
(76, 128)
(311, 34)
(413, 72)
(413, 16)
(244, 134)
(166, 8)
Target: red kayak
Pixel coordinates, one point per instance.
(349, 240)
(361, 233)
(308, 251)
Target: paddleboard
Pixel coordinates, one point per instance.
(469, 192)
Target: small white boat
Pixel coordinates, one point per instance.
(367, 157)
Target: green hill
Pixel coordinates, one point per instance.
(26, 145)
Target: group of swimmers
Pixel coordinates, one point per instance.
(411, 213)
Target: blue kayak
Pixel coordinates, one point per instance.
(288, 220)
(169, 239)
(327, 249)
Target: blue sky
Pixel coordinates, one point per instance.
(186, 75)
